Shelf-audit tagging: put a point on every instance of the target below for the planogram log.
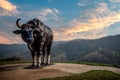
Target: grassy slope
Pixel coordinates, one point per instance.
(93, 64)
(12, 62)
(90, 75)
(87, 63)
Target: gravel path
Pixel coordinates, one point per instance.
(79, 68)
(26, 72)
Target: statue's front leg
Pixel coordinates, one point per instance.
(38, 58)
(34, 58)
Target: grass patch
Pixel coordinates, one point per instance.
(93, 64)
(12, 62)
(86, 63)
(90, 75)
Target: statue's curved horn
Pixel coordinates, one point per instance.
(17, 23)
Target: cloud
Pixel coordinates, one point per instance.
(45, 14)
(48, 13)
(94, 23)
(7, 5)
(95, 26)
(102, 8)
(49, 1)
(4, 40)
(115, 0)
(8, 23)
(7, 8)
(81, 4)
(13, 40)
(8, 39)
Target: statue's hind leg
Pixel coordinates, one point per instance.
(44, 55)
(48, 54)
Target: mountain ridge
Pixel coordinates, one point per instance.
(102, 50)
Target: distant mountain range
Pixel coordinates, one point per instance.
(103, 50)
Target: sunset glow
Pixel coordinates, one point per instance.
(78, 19)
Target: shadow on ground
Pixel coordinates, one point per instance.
(36, 67)
(13, 67)
(8, 68)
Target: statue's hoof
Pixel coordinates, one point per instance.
(46, 64)
(33, 64)
(42, 63)
(38, 65)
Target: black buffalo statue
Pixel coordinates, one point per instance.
(39, 38)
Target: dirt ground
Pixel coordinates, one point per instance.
(26, 72)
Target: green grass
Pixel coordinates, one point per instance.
(90, 75)
(87, 63)
(12, 62)
(93, 64)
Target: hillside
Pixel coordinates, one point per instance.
(18, 50)
(103, 50)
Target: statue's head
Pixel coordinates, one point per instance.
(25, 30)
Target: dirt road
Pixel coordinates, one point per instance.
(26, 72)
(79, 68)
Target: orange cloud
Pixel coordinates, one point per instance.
(95, 27)
(7, 8)
(7, 5)
(93, 23)
(6, 39)
(98, 20)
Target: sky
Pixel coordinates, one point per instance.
(69, 19)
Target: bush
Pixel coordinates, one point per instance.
(13, 58)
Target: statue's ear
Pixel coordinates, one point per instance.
(17, 31)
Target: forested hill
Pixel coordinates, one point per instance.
(103, 50)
